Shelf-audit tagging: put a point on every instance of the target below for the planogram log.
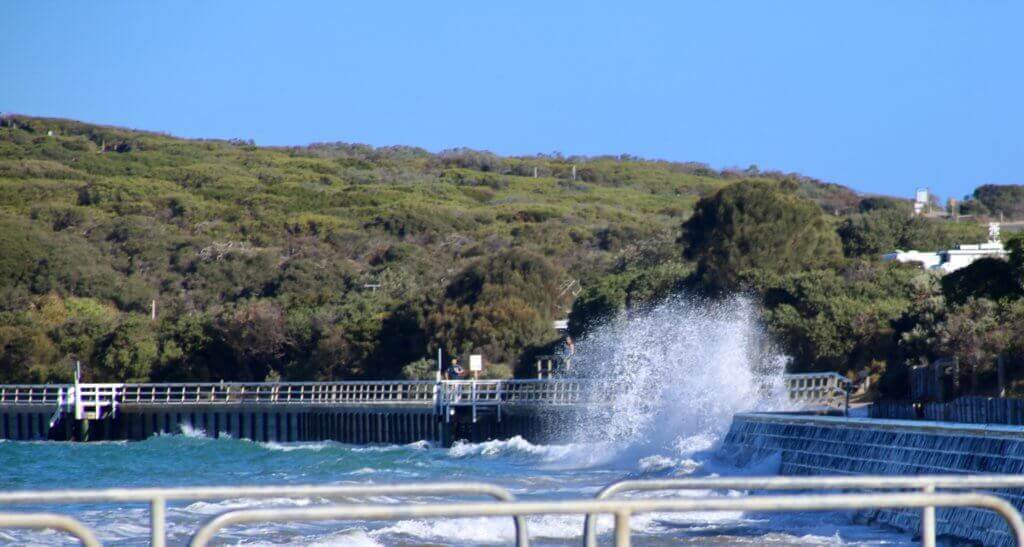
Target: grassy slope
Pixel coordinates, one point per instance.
(118, 217)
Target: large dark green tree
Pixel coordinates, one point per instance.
(750, 231)
(1004, 199)
(499, 303)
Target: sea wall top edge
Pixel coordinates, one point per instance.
(910, 426)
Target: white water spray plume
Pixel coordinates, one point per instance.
(669, 378)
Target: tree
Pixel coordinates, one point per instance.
(420, 369)
(973, 334)
(883, 230)
(499, 306)
(255, 333)
(756, 229)
(130, 352)
(635, 287)
(989, 278)
(1005, 199)
(26, 354)
(839, 320)
(873, 233)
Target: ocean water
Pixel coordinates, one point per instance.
(675, 376)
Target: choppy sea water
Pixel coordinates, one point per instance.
(674, 376)
(529, 471)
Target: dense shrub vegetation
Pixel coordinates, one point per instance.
(1005, 199)
(347, 261)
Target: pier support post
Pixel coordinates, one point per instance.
(274, 419)
(257, 433)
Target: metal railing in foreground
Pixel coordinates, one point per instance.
(157, 499)
(50, 521)
(924, 483)
(621, 509)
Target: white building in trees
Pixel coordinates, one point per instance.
(951, 260)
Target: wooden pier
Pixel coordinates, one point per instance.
(390, 412)
(352, 412)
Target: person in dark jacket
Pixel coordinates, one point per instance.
(454, 370)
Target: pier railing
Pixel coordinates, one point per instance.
(98, 400)
(828, 389)
(280, 392)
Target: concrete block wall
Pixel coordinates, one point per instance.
(817, 445)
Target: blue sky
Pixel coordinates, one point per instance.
(882, 96)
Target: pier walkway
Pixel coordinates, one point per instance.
(352, 411)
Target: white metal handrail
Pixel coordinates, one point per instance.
(926, 500)
(924, 483)
(282, 392)
(96, 399)
(157, 498)
(481, 392)
(621, 509)
(50, 521)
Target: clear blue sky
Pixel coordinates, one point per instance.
(882, 96)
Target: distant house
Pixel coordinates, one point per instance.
(952, 260)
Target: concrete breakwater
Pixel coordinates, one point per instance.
(820, 445)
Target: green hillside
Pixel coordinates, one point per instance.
(340, 261)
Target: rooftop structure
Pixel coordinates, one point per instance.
(921, 201)
(951, 260)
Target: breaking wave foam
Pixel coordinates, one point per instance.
(671, 377)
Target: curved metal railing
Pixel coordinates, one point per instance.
(50, 521)
(157, 499)
(926, 500)
(621, 509)
(924, 483)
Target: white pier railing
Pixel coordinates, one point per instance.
(829, 389)
(100, 400)
(280, 392)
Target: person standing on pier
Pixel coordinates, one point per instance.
(454, 370)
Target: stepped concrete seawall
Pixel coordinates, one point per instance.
(820, 445)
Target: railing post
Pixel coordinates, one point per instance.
(498, 397)
(928, 521)
(472, 397)
(622, 529)
(157, 522)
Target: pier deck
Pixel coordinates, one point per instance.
(351, 411)
(357, 412)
